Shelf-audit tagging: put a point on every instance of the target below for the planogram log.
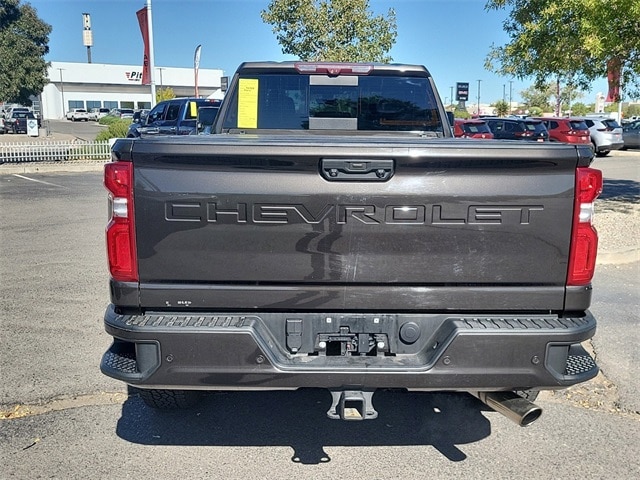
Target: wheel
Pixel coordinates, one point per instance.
(167, 399)
(602, 154)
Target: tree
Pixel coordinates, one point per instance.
(576, 40)
(538, 96)
(502, 108)
(331, 30)
(164, 93)
(24, 40)
(580, 109)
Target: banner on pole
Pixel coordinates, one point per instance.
(144, 29)
(613, 79)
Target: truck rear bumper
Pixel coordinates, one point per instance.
(364, 351)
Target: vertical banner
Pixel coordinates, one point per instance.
(144, 29)
(196, 66)
(613, 78)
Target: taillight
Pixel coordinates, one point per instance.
(584, 237)
(121, 245)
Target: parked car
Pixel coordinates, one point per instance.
(96, 114)
(171, 117)
(76, 114)
(1, 124)
(121, 112)
(471, 128)
(606, 134)
(518, 129)
(566, 129)
(631, 135)
(17, 122)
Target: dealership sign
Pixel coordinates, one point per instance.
(134, 76)
(462, 91)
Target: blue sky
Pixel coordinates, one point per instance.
(450, 37)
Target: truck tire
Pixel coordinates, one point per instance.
(167, 399)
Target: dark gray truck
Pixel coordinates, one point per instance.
(333, 234)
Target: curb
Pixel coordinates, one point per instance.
(619, 257)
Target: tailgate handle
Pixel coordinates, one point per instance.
(360, 170)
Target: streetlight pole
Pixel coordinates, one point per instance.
(62, 89)
(451, 96)
(510, 87)
(504, 92)
(479, 97)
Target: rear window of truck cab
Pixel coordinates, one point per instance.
(317, 102)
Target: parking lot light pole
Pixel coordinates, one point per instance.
(62, 89)
(510, 87)
(479, 97)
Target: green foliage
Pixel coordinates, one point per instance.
(24, 42)
(538, 97)
(108, 120)
(461, 113)
(164, 93)
(572, 39)
(331, 30)
(578, 109)
(117, 129)
(632, 110)
(502, 108)
(535, 111)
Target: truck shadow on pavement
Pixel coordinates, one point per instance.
(620, 191)
(297, 419)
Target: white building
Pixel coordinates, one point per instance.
(93, 85)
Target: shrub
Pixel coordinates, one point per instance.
(117, 129)
(108, 120)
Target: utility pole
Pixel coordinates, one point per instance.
(479, 97)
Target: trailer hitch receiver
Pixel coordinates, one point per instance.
(352, 405)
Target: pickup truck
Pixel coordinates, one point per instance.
(17, 120)
(177, 116)
(332, 233)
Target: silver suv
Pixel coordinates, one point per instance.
(606, 134)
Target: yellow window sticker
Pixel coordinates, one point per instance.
(193, 107)
(248, 103)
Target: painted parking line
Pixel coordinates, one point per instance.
(38, 181)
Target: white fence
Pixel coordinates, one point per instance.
(54, 151)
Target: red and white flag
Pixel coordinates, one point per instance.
(144, 29)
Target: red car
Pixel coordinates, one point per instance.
(566, 129)
(472, 128)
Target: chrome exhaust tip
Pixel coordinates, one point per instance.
(511, 405)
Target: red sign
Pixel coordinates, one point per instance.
(144, 29)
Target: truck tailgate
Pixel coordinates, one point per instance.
(247, 222)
